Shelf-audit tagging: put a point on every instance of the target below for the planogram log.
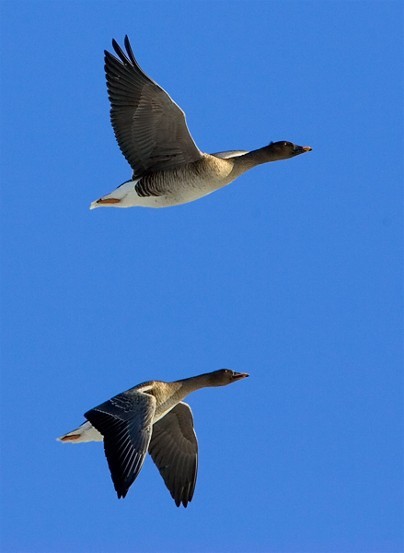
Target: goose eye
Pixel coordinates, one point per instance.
(285, 143)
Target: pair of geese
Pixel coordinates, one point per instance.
(168, 169)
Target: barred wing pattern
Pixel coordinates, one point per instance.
(125, 421)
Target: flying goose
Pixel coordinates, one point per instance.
(151, 417)
(168, 167)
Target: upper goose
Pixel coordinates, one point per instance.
(150, 128)
(151, 417)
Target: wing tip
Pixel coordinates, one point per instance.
(121, 493)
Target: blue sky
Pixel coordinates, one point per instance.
(293, 274)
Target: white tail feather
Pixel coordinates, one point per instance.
(84, 433)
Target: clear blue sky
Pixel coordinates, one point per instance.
(293, 273)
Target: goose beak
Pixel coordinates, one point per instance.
(301, 150)
(239, 376)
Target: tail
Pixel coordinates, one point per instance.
(84, 433)
(117, 198)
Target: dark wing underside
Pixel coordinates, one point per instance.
(174, 449)
(149, 126)
(125, 421)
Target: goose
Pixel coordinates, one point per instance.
(151, 417)
(151, 130)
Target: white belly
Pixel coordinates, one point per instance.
(182, 187)
(188, 192)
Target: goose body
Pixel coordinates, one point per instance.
(151, 417)
(151, 130)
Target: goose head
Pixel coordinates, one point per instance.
(223, 377)
(284, 149)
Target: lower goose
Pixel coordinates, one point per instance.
(151, 417)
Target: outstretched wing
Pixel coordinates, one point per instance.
(125, 421)
(149, 126)
(174, 449)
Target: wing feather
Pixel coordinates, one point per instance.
(149, 126)
(125, 421)
(174, 450)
